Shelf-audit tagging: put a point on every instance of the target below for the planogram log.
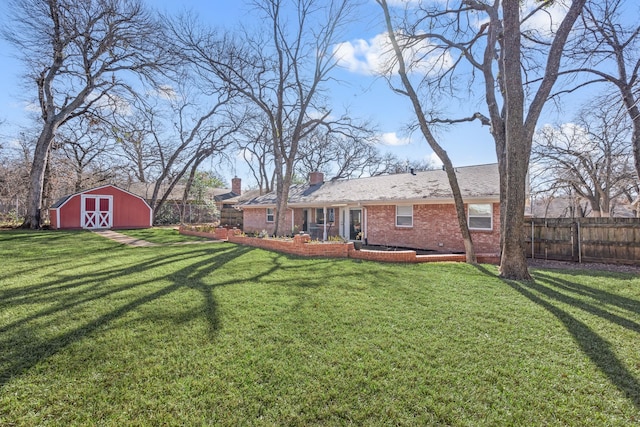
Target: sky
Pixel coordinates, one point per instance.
(365, 95)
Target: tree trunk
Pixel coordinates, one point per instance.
(633, 111)
(513, 263)
(470, 253)
(36, 177)
(185, 193)
(47, 190)
(498, 137)
(283, 185)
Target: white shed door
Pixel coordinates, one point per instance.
(96, 211)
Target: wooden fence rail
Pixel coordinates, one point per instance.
(610, 240)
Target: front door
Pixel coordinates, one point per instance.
(305, 220)
(96, 212)
(355, 224)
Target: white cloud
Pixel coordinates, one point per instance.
(375, 56)
(245, 154)
(166, 92)
(392, 139)
(568, 135)
(546, 20)
(31, 107)
(363, 56)
(403, 3)
(319, 115)
(434, 160)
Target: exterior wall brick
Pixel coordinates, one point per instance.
(255, 220)
(435, 227)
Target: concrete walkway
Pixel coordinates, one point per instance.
(121, 238)
(132, 241)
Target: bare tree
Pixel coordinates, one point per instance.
(609, 52)
(85, 147)
(255, 147)
(137, 140)
(281, 72)
(391, 164)
(590, 159)
(79, 55)
(517, 66)
(164, 155)
(409, 90)
(338, 155)
(15, 161)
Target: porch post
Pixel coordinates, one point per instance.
(364, 223)
(324, 223)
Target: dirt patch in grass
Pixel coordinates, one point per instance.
(585, 266)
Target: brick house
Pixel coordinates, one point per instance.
(410, 210)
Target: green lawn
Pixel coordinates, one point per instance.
(161, 236)
(96, 333)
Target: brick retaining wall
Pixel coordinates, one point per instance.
(302, 245)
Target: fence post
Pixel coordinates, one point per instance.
(533, 234)
(579, 244)
(575, 244)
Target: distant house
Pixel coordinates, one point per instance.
(98, 208)
(412, 210)
(226, 202)
(579, 207)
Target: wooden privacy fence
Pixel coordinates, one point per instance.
(610, 240)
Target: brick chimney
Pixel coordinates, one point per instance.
(316, 178)
(236, 185)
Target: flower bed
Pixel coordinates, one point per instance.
(302, 245)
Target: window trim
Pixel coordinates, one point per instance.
(331, 215)
(404, 216)
(271, 212)
(490, 216)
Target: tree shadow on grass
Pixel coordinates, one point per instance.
(597, 348)
(22, 347)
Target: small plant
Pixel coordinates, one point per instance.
(263, 234)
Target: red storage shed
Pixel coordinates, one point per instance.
(102, 207)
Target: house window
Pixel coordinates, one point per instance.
(481, 216)
(331, 215)
(404, 216)
(270, 214)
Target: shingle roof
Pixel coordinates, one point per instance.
(145, 190)
(476, 182)
(233, 198)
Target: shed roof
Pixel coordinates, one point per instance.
(61, 201)
(476, 182)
